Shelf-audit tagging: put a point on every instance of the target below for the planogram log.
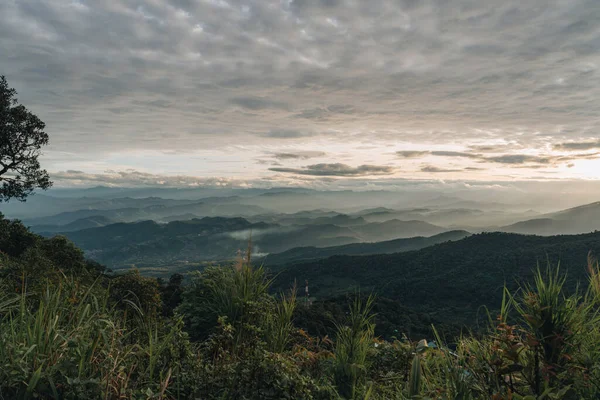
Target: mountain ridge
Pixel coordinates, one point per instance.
(298, 254)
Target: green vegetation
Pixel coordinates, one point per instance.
(450, 283)
(21, 139)
(69, 329)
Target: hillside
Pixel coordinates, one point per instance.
(575, 220)
(149, 241)
(394, 229)
(451, 280)
(205, 239)
(446, 216)
(391, 246)
(95, 221)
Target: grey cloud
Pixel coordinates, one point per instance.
(257, 103)
(153, 103)
(431, 168)
(412, 153)
(299, 155)
(578, 145)
(578, 156)
(417, 153)
(133, 178)
(341, 109)
(120, 110)
(454, 154)
(518, 159)
(490, 148)
(313, 113)
(330, 112)
(338, 169)
(286, 134)
(513, 159)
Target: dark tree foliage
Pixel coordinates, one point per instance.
(21, 138)
(32, 260)
(437, 283)
(132, 289)
(171, 293)
(15, 238)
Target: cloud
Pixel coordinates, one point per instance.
(431, 168)
(493, 148)
(412, 153)
(540, 159)
(133, 178)
(257, 103)
(299, 155)
(454, 154)
(313, 113)
(338, 169)
(509, 159)
(570, 146)
(181, 74)
(342, 109)
(286, 134)
(519, 159)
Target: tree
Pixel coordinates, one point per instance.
(21, 138)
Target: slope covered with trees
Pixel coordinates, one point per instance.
(449, 281)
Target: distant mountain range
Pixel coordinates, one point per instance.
(94, 221)
(215, 238)
(393, 229)
(580, 219)
(153, 230)
(210, 207)
(209, 238)
(298, 254)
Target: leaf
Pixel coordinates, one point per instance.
(35, 378)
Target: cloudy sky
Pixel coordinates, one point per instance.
(308, 92)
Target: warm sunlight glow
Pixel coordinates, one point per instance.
(587, 169)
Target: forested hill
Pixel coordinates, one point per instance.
(449, 281)
(298, 254)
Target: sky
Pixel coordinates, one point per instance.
(315, 93)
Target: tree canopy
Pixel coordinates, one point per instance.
(21, 139)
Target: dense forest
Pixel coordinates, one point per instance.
(72, 329)
(452, 282)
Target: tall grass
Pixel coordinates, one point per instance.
(353, 342)
(71, 344)
(279, 323)
(415, 380)
(554, 325)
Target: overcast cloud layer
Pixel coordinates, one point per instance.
(308, 92)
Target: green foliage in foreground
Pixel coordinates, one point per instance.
(74, 332)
